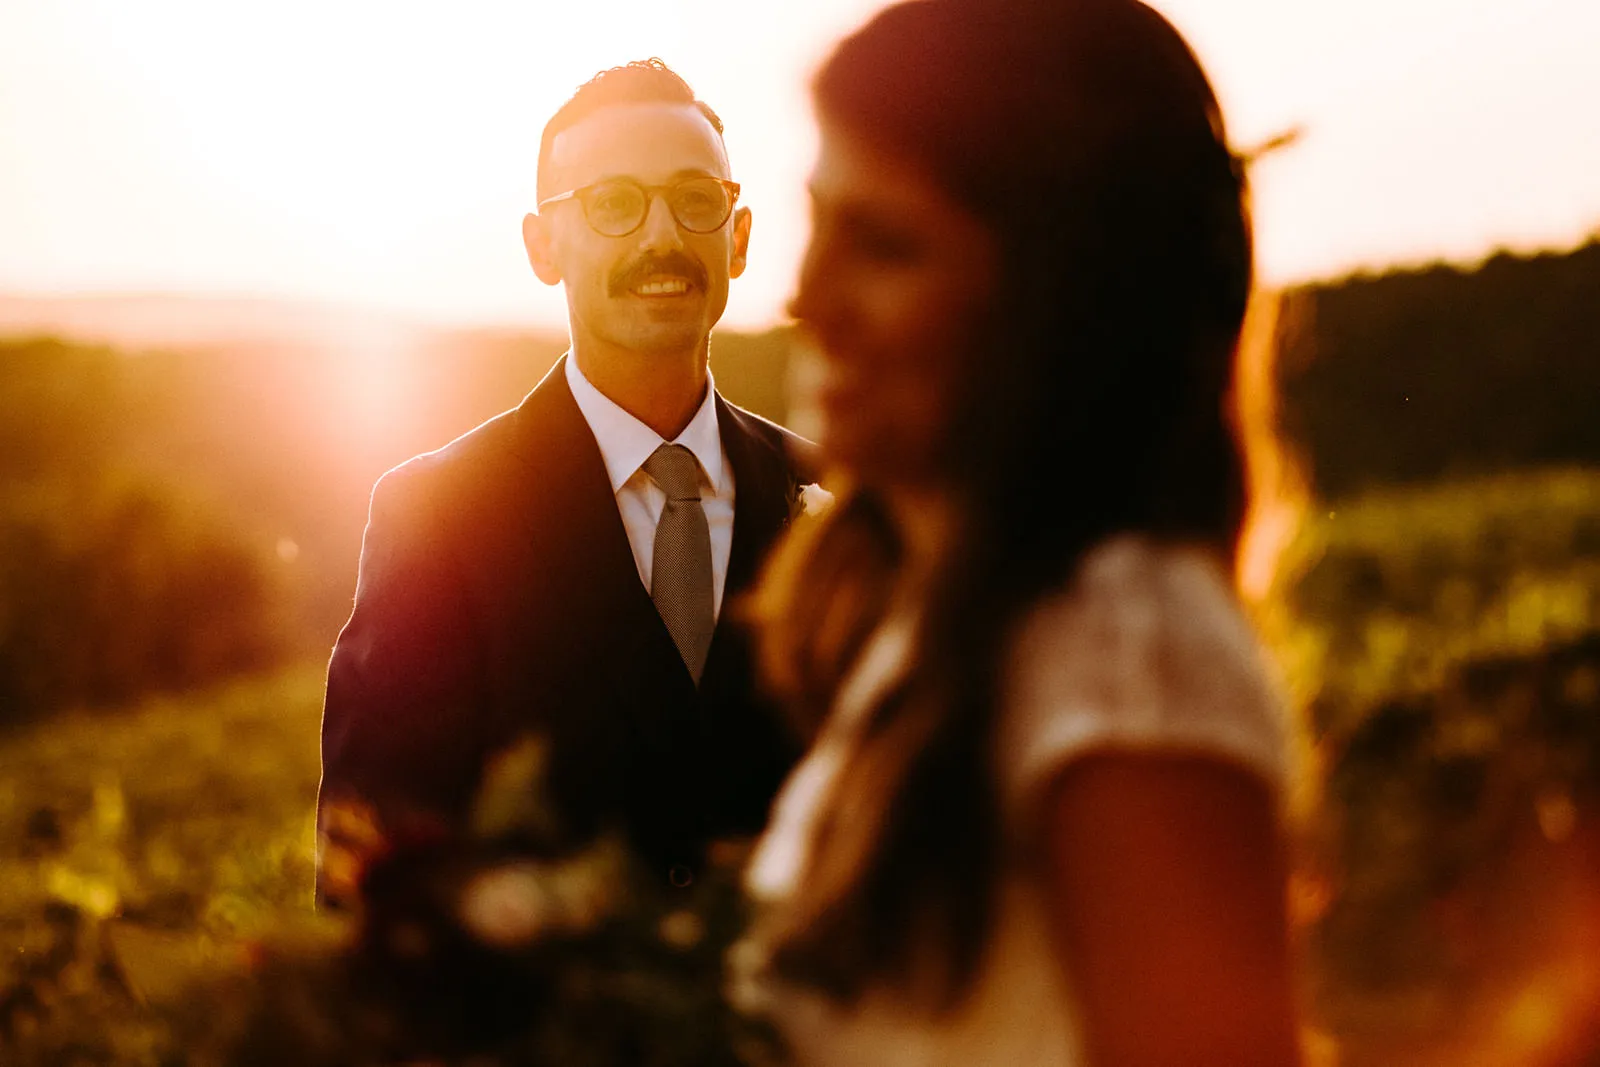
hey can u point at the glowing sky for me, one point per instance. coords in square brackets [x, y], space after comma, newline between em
[383, 153]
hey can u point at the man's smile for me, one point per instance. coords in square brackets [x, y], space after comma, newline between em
[659, 276]
[658, 285]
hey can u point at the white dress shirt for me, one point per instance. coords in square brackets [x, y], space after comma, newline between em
[625, 443]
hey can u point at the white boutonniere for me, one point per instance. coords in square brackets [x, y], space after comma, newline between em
[815, 501]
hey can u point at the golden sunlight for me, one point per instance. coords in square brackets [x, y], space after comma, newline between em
[383, 154]
[254, 256]
[377, 374]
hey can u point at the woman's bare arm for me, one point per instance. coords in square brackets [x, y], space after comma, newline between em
[1166, 877]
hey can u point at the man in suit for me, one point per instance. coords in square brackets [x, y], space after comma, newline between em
[567, 568]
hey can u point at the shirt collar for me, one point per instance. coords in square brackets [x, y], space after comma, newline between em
[625, 442]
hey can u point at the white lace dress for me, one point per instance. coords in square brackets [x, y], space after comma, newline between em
[1146, 650]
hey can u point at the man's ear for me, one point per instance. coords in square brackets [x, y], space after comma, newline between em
[536, 239]
[741, 242]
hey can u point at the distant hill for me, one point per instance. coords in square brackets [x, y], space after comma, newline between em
[1406, 377]
[281, 415]
[138, 322]
[751, 368]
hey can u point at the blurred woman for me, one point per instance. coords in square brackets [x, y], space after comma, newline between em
[1040, 822]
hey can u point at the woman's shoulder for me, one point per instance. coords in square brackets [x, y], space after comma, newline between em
[1145, 647]
[1132, 598]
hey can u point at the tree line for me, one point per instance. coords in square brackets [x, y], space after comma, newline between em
[168, 517]
[1446, 371]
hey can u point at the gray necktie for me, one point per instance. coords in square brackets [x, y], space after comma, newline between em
[680, 575]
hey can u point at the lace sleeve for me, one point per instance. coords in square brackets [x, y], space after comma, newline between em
[1146, 650]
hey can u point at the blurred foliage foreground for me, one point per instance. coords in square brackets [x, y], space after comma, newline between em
[1442, 643]
[157, 891]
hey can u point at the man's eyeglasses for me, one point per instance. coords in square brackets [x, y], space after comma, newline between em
[619, 206]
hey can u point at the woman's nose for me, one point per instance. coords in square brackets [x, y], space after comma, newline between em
[811, 298]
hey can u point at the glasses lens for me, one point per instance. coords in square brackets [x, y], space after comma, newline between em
[700, 204]
[615, 208]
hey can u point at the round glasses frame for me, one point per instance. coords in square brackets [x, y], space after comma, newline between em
[585, 195]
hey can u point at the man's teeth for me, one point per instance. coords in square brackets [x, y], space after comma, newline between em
[663, 288]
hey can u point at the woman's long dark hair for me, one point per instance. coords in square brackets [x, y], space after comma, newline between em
[1085, 134]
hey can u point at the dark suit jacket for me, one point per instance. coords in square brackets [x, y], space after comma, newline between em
[498, 596]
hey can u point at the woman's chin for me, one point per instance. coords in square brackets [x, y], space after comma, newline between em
[866, 466]
[843, 442]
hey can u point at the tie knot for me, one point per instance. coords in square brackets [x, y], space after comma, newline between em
[676, 471]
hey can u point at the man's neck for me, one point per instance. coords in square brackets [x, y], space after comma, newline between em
[662, 390]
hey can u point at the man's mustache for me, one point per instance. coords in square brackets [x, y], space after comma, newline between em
[679, 264]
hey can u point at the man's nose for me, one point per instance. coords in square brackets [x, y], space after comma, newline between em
[660, 231]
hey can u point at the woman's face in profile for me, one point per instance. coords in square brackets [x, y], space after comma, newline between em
[896, 284]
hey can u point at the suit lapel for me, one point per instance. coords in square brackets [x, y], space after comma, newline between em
[747, 748]
[594, 665]
[611, 633]
[589, 601]
[762, 487]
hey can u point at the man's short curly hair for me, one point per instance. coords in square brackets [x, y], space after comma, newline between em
[643, 81]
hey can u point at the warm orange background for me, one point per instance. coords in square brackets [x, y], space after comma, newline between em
[383, 153]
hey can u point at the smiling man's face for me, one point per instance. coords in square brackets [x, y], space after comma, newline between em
[659, 289]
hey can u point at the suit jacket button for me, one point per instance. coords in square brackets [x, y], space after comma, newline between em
[680, 875]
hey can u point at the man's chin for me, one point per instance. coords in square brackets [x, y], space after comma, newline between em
[650, 327]
[665, 338]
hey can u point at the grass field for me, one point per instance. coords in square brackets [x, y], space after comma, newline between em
[141, 850]
[1441, 645]
[1390, 591]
